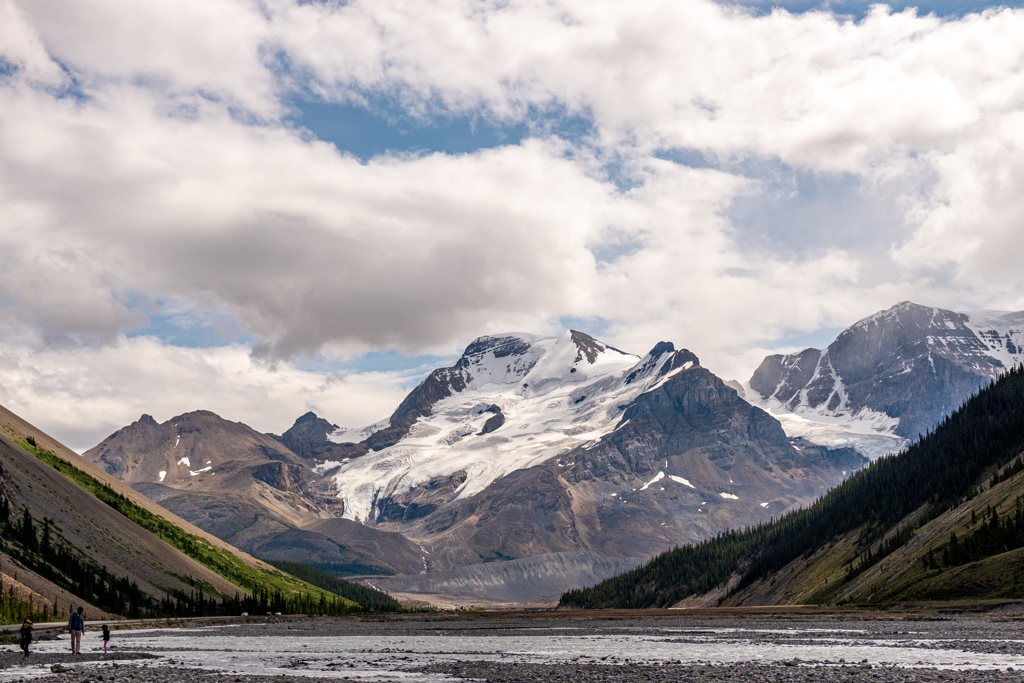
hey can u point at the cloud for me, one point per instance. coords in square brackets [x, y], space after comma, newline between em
[82, 395]
[146, 156]
[313, 249]
[305, 245]
[811, 89]
[970, 221]
[214, 49]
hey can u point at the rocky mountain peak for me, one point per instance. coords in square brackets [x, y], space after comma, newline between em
[899, 371]
[195, 415]
[587, 347]
[661, 348]
[308, 437]
[188, 449]
[148, 420]
[653, 360]
[500, 346]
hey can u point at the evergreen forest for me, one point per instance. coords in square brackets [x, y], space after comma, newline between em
[934, 474]
[39, 546]
[371, 598]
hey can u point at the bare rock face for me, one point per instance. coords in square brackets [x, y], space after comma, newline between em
[250, 490]
[910, 363]
[657, 451]
[533, 579]
[307, 438]
[186, 451]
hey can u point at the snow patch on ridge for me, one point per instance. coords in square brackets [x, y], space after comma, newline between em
[555, 393]
[658, 477]
[355, 435]
[1002, 332]
[680, 480]
[868, 431]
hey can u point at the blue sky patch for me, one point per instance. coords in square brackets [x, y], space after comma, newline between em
[858, 9]
[366, 132]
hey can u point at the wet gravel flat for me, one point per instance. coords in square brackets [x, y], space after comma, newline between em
[699, 673]
[552, 647]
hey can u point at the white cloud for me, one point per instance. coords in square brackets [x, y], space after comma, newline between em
[143, 157]
[927, 105]
[972, 220]
[82, 395]
[305, 245]
[811, 89]
[214, 48]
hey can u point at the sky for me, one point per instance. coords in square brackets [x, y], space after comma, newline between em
[265, 207]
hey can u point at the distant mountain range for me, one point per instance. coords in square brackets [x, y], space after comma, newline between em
[566, 450]
[897, 372]
[527, 446]
[531, 445]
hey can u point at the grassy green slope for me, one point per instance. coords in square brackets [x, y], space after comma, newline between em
[851, 544]
[914, 571]
[247, 577]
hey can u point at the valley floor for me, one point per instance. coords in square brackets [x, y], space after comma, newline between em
[602, 647]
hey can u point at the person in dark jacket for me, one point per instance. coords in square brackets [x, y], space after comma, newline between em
[76, 624]
[106, 637]
[26, 636]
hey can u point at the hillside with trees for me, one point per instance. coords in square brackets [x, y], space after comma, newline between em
[72, 535]
[940, 520]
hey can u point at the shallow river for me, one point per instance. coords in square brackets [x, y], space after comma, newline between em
[371, 651]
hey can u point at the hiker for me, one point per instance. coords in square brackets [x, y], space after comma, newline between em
[106, 637]
[76, 624]
[26, 635]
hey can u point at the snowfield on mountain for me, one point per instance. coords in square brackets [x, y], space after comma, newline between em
[513, 402]
[551, 394]
[889, 377]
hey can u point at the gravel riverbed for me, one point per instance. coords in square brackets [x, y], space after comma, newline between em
[553, 648]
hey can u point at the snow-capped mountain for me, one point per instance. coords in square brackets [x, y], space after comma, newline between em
[888, 377]
[510, 402]
[530, 445]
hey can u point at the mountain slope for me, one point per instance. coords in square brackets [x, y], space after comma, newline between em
[531, 445]
[113, 541]
[899, 371]
[187, 450]
[229, 477]
[532, 579]
[251, 491]
[13, 427]
[853, 543]
[115, 532]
